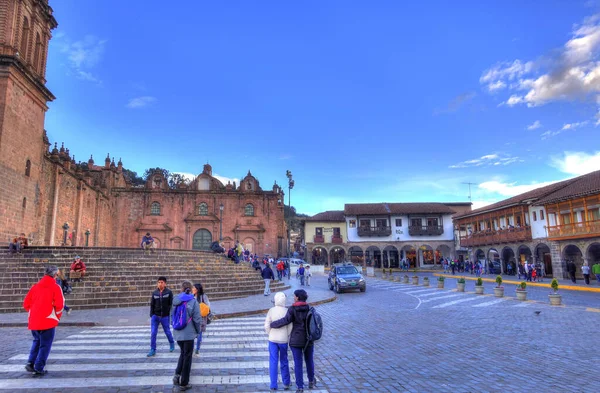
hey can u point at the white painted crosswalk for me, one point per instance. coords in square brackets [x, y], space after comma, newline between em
[443, 298]
[233, 353]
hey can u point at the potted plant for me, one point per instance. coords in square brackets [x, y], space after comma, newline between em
[499, 289]
[460, 285]
[441, 282]
[405, 279]
[521, 292]
[396, 278]
[425, 281]
[555, 297]
[479, 286]
[415, 280]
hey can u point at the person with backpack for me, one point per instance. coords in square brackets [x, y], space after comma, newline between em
[160, 309]
[267, 275]
[187, 324]
[300, 344]
[201, 297]
[278, 343]
[66, 288]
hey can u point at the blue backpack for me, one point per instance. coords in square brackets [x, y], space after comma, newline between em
[180, 318]
[314, 326]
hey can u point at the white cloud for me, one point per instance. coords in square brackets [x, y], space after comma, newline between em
[487, 160]
[497, 85]
[565, 127]
[577, 163]
[140, 102]
[82, 55]
[478, 204]
[509, 189]
[536, 124]
[570, 73]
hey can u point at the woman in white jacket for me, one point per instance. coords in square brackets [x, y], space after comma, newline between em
[278, 343]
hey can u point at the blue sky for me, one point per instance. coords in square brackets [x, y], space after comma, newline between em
[362, 101]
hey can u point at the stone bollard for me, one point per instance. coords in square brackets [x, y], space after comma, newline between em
[426, 281]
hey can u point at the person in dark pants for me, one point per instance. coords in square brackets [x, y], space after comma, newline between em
[296, 315]
[44, 303]
[571, 270]
[160, 309]
[185, 337]
[585, 269]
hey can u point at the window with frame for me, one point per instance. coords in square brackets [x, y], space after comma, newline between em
[27, 168]
[415, 222]
[319, 231]
[336, 232]
[203, 209]
[352, 223]
[249, 210]
[433, 222]
[365, 223]
[534, 215]
[541, 214]
[398, 222]
[155, 209]
[381, 222]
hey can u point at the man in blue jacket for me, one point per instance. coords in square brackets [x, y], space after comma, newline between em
[160, 310]
[267, 275]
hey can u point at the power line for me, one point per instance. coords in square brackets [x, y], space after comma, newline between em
[470, 200]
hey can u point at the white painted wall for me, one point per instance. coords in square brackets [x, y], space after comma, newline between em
[538, 230]
[400, 233]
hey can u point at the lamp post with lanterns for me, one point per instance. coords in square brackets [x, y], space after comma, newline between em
[288, 174]
[221, 207]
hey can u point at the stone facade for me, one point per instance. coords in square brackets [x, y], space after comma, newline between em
[54, 200]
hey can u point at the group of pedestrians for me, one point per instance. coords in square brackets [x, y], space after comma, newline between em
[531, 272]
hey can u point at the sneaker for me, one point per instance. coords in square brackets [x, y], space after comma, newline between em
[286, 387]
[197, 352]
[176, 379]
[171, 347]
[37, 373]
[69, 311]
[151, 353]
[29, 367]
[184, 388]
[299, 390]
[312, 384]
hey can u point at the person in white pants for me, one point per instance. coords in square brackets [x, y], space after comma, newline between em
[307, 275]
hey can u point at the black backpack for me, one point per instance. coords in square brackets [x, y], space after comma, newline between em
[314, 326]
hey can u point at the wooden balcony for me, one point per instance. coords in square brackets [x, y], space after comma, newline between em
[496, 237]
[337, 240]
[374, 231]
[430, 230]
[319, 239]
[575, 230]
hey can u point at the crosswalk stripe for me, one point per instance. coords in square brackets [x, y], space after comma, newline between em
[491, 302]
[422, 290]
[448, 304]
[130, 340]
[63, 383]
[433, 299]
[142, 355]
[246, 333]
[434, 293]
[147, 329]
[73, 346]
[523, 304]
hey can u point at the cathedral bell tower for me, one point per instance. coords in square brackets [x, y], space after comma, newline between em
[25, 31]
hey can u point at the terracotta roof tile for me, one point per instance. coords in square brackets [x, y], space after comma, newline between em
[328, 216]
[354, 209]
[580, 186]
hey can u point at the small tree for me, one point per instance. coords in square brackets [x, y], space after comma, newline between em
[441, 278]
[554, 285]
[461, 280]
[499, 280]
[522, 286]
[479, 282]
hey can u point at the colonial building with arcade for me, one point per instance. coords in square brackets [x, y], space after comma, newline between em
[382, 234]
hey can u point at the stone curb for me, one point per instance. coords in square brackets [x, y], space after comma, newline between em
[219, 316]
[532, 284]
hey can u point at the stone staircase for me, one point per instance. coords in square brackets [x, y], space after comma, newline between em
[125, 277]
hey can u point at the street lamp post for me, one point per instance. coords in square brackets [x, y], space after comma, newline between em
[221, 207]
[288, 174]
[65, 228]
[87, 237]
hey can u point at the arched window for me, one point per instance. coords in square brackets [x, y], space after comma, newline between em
[249, 211]
[203, 209]
[27, 168]
[36, 52]
[155, 209]
[24, 39]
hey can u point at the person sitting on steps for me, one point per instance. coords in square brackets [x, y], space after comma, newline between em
[148, 243]
[77, 267]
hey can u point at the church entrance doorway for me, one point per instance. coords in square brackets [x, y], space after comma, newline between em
[202, 240]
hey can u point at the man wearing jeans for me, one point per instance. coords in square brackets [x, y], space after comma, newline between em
[267, 275]
[45, 303]
[160, 310]
[596, 271]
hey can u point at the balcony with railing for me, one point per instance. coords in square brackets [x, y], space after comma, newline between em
[427, 230]
[575, 230]
[319, 239]
[337, 239]
[484, 238]
[374, 231]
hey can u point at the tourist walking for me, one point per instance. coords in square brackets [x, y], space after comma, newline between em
[201, 297]
[66, 289]
[278, 343]
[160, 310]
[44, 303]
[299, 344]
[571, 269]
[585, 269]
[307, 275]
[301, 274]
[267, 275]
[189, 328]
[596, 271]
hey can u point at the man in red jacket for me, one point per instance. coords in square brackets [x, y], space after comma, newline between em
[45, 303]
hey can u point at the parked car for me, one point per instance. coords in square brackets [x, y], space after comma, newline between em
[345, 276]
[494, 267]
[296, 261]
